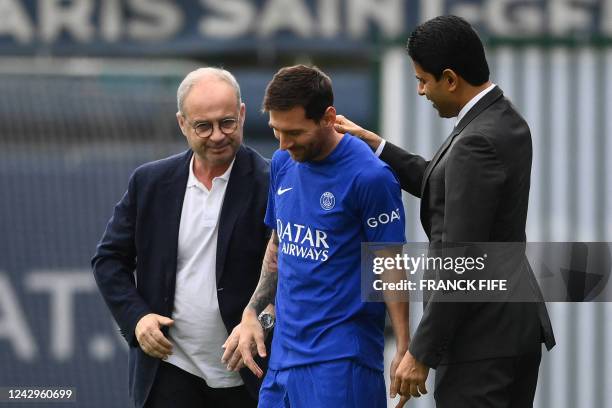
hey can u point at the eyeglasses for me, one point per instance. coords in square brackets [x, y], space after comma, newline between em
[204, 129]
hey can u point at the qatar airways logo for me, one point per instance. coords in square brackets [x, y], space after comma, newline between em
[384, 218]
[302, 241]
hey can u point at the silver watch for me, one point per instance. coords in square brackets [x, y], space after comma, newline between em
[266, 320]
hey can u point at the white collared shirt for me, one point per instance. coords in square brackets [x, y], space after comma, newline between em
[466, 108]
[198, 331]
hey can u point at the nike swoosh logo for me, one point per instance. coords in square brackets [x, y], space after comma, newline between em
[282, 191]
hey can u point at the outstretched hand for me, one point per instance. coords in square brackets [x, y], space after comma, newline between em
[246, 340]
[231, 355]
[344, 125]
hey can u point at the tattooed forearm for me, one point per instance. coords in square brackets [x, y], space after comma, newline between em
[266, 288]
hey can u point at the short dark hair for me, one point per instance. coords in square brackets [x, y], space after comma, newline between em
[300, 85]
[449, 42]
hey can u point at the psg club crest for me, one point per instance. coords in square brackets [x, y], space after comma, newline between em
[327, 201]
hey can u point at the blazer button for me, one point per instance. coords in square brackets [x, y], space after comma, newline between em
[166, 299]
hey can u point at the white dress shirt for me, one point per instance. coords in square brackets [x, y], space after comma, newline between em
[198, 331]
[466, 108]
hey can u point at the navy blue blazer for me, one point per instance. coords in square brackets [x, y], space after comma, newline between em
[142, 236]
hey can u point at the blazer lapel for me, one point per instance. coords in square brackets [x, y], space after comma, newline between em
[476, 110]
[237, 196]
[173, 190]
[436, 158]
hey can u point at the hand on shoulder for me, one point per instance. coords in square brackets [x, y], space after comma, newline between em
[344, 125]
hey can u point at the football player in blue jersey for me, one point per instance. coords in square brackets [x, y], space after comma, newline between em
[327, 349]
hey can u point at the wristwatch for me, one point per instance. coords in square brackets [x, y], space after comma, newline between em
[266, 320]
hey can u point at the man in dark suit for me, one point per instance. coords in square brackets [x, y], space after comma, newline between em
[191, 226]
[475, 189]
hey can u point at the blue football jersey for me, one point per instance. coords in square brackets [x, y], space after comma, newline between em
[322, 211]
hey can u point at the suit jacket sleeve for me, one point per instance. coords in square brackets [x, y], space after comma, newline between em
[114, 264]
[474, 177]
[408, 167]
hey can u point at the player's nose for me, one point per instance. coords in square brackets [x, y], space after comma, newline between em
[285, 143]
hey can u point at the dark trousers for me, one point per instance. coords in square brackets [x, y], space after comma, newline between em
[176, 388]
[496, 383]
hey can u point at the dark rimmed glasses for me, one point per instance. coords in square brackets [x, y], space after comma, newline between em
[204, 129]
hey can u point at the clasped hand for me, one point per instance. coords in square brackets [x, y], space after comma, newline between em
[150, 337]
[408, 377]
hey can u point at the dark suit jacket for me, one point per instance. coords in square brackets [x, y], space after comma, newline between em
[142, 235]
[475, 189]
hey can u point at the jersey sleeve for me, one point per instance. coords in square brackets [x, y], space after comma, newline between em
[380, 206]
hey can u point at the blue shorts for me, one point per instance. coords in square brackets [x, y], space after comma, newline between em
[338, 383]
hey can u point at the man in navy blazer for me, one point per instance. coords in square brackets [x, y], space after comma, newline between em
[191, 228]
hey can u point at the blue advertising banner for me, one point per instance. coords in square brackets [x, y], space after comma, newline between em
[55, 330]
[205, 27]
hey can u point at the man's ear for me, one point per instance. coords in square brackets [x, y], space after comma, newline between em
[451, 79]
[181, 122]
[329, 117]
[242, 113]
